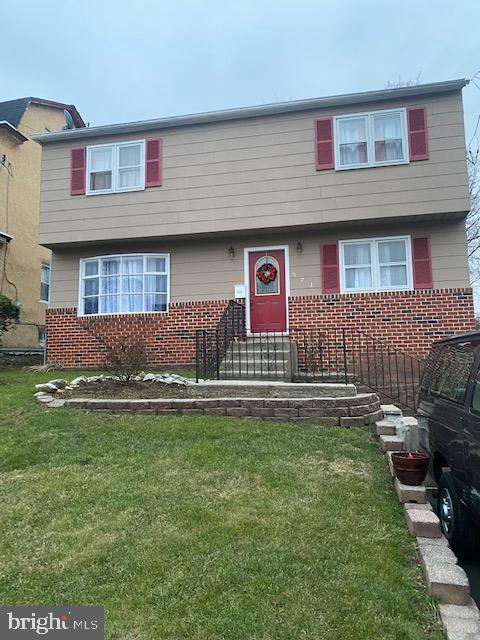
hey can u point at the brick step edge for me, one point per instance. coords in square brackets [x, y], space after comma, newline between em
[446, 581]
[359, 410]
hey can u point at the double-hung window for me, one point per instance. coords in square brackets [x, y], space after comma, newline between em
[132, 283]
[378, 264]
[116, 167]
[45, 283]
[371, 139]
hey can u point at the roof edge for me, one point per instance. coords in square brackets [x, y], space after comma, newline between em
[4, 124]
[252, 112]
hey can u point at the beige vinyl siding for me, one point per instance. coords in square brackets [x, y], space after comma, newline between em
[203, 270]
[258, 174]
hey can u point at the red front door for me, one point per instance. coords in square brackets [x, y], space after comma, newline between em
[268, 301]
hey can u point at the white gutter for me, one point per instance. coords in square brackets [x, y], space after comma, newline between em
[252, 112]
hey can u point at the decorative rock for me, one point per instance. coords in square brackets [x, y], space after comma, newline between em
[47, 386]
[39, 394]
[79, 382]
[45, 399]
[59, 383]
[149, 377]
[94, 379]
[55, 404]
[408, 493]
[422, 522]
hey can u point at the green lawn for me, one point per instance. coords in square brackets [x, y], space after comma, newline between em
[204, 528]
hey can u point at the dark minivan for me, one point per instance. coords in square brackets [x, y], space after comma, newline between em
[450, 402]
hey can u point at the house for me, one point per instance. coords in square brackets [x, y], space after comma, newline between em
[339, 211]
[24, 264]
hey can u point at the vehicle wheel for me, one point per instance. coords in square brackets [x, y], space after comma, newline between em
[455, 522]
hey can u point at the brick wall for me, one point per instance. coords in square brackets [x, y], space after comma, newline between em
[81, 342]
[410, 320]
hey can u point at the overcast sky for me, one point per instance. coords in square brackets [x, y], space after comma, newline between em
[121, 61]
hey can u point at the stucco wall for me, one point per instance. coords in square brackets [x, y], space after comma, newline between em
[19, 216]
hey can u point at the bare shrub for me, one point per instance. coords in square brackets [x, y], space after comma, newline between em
[126, 360]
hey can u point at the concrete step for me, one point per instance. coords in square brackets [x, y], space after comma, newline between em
[256, 350]
[385, 428]
[391, 443]
[257, 357]
[461, 622]
[422, 522]
[242, 372]
[408, 493]
[447, 582]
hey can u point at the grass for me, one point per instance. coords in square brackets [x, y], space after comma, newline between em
[204, 528]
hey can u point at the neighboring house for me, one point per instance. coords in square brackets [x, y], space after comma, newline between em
[357, 201]
[24, 264]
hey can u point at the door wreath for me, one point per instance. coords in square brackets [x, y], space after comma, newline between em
[267, 273]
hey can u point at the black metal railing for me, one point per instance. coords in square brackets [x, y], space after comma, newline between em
[392, 373]
[340, 355]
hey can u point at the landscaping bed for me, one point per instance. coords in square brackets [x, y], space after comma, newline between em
[152, 390]
[204, 528]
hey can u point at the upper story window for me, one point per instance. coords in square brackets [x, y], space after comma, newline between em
[371, 139]
[116, 167]
[378, 264]
[131, 283]
[45, 283]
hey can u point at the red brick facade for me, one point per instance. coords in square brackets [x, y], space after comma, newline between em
[409, 320]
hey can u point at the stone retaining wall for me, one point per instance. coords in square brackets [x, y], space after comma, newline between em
[359, 410]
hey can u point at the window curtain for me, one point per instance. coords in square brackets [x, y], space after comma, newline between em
[110, 286]
[388, 137]
[101, 169]
[358, 269]
[129, 163]
[132, 284]
[352, 141]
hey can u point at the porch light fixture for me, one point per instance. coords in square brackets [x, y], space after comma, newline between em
[299, 247]
[231, 252]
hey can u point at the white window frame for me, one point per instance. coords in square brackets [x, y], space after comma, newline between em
[376, 265]
[49, 267]
[369, 117]
[81, 278]
[115, 167]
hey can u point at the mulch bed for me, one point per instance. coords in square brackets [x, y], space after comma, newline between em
[151, 390]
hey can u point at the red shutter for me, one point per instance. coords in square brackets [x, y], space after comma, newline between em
[78, 171]
[324, 155]
[417, 133]
[422, 263]
[329, 263]
[153, 163]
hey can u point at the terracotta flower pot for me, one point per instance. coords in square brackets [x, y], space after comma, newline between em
[410, 468]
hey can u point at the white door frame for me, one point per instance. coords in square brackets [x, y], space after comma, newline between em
[246, 252]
